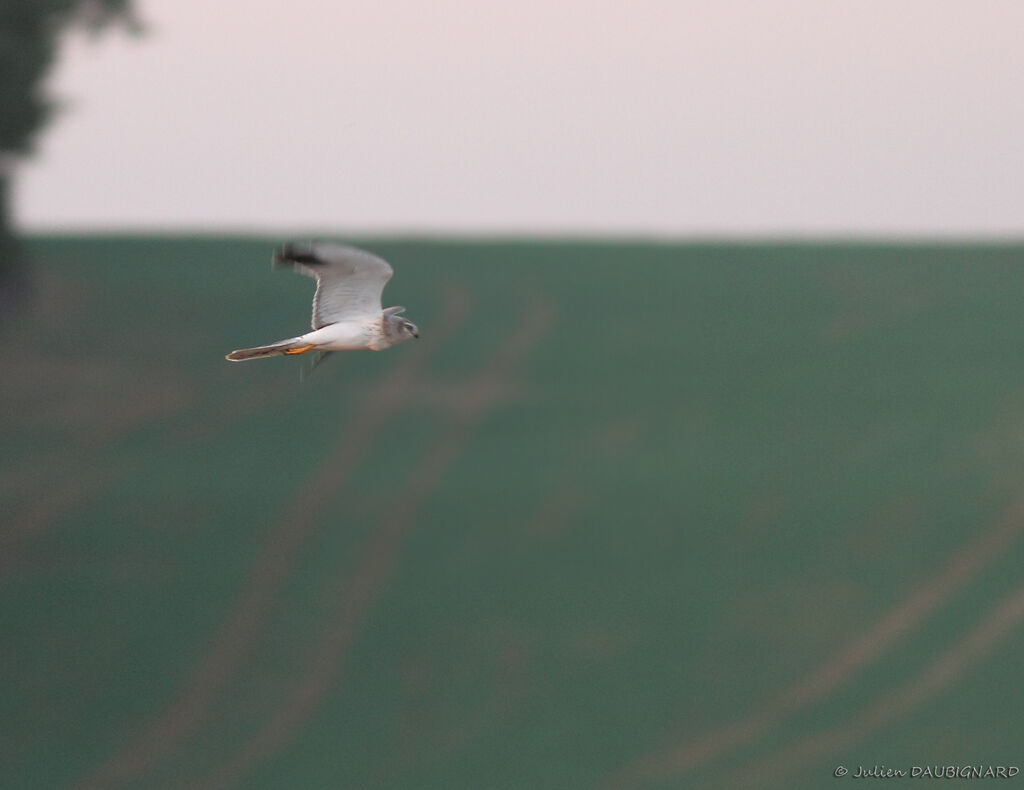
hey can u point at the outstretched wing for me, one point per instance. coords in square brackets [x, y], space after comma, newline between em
[349, 281]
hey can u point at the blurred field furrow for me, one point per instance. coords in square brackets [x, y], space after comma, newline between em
[628, 515]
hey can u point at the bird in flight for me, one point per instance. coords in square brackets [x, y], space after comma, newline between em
[347, 313]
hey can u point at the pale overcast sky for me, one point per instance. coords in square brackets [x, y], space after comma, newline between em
[675, 117]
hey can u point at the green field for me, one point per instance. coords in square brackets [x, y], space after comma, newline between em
[627, 516]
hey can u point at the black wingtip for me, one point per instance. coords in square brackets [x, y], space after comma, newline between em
[290, 254]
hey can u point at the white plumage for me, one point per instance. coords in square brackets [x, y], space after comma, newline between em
[347, 313]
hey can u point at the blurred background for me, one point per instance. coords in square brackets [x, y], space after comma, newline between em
[706, 472]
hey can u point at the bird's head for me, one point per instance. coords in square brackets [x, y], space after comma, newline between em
[398, 328]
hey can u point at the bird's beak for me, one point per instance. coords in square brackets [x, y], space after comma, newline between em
[415, 335]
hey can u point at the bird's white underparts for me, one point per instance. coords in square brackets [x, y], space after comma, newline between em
[347, 312]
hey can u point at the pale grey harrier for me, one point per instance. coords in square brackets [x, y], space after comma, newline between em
[347, 314]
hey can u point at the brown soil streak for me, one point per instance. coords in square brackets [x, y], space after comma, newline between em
[45, 511]
[964, 566]
[939, 675]
[359, 592]
[286, 537]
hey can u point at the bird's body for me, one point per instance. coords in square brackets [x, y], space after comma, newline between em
[347, 314]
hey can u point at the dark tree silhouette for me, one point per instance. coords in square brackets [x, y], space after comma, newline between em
[29, 36]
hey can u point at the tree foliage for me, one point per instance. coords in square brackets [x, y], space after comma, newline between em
[30, 33]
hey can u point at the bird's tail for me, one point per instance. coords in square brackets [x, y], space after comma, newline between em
[288, 347]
